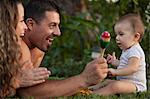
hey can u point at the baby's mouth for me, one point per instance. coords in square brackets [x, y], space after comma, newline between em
[119, 44]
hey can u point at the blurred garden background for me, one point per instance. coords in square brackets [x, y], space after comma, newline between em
[82, 21]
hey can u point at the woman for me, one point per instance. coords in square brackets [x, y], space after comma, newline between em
[16, 69]
[12, 26]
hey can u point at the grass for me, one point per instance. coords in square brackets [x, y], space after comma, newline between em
[141, 95]
[144, 95]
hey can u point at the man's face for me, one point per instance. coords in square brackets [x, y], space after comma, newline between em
[44, 32]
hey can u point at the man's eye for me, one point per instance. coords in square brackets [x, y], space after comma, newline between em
[51, 26]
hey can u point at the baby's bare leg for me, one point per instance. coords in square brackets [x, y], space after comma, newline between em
[101, 84]
[117, 87]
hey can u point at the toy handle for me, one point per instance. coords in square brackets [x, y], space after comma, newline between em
[102, 51]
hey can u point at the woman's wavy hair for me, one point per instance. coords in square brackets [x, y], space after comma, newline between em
[9, 47]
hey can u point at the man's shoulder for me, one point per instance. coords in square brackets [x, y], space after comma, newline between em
[36, 56]
[37, 52]
[24, 45]
[26, 55]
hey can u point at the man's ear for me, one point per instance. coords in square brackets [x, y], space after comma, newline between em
[137, 36]
[29, 23]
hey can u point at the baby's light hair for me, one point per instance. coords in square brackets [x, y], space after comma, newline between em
[135, 22]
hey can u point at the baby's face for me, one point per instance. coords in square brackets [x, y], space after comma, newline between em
[125, 36]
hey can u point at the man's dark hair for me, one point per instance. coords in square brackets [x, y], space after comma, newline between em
[36, 9]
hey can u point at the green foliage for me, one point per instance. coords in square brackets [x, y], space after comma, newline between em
[68, 67]
[67, 55]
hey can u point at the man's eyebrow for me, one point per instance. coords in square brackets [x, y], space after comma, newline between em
[52, 23]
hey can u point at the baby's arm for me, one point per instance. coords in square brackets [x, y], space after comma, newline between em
[111, 59]
[131, 68]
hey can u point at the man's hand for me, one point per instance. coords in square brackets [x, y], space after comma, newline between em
[29, 76]
[95, 71]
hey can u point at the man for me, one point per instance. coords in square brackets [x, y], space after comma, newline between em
[43, 19]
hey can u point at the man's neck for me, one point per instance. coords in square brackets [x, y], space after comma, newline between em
[27, 41]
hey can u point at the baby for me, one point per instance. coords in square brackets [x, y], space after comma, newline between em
[130, 72]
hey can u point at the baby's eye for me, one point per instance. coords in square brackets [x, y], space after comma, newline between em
[120, 33]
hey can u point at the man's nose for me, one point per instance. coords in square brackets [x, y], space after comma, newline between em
[57, 31]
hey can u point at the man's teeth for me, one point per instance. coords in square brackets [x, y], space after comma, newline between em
[50, 39]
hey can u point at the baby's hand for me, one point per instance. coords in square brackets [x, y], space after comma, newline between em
[111, 58]
[111, 72]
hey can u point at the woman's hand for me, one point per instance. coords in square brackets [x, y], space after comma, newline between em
[29, 76]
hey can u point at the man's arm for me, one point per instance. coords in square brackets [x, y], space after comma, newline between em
[93, 73]
[54, 88]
